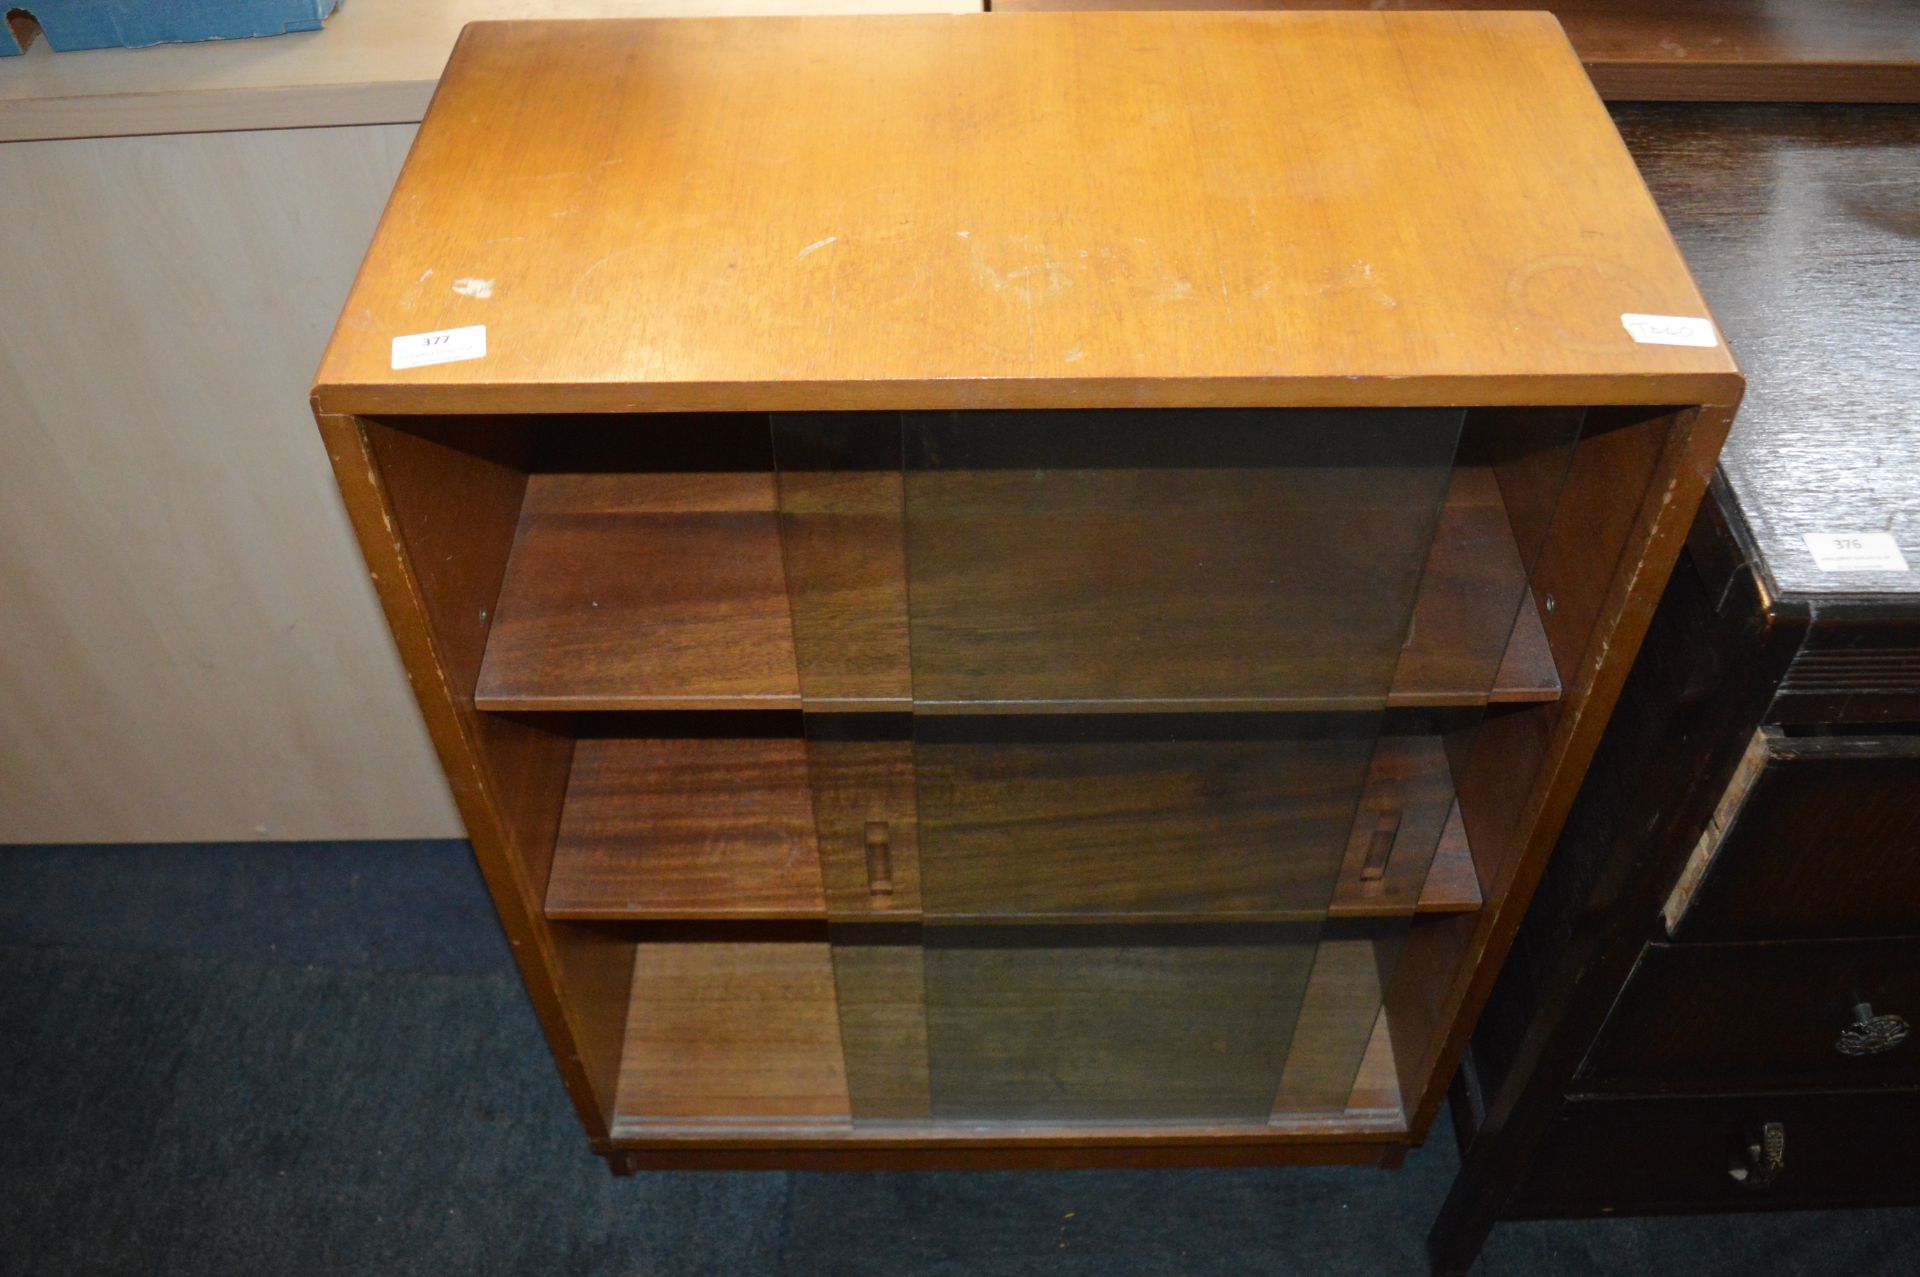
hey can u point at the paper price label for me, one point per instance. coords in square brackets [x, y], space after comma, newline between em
[1855, 551]
[448, 346]
[1670, 330]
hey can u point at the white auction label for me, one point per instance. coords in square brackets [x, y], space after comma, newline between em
[1855, 551]
[1670, 330]
[448, 346]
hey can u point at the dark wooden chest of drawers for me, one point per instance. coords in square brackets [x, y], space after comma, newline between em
[1708, 1005]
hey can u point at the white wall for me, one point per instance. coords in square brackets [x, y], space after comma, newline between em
[189, 647]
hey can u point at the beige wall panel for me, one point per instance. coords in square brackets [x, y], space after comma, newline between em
[189, 647]
[375, 63]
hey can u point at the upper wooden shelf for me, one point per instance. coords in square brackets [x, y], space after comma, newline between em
[643, 591]
[667, 592]
[832, 213]
[1696, 50]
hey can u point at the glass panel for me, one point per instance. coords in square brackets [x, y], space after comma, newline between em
[1119, 1024]
[1176, 817]
[1476, 648]
[1339, 1014]
[1157, 560]
[841, 536]
[1078, 565]
[1150, 655]
[1189, 695]
[879, 977]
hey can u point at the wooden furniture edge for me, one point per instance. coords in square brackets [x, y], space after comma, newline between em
[1463, 390]
[1624, 80]
[625, 1157]
[1659, 72]
[517, 901]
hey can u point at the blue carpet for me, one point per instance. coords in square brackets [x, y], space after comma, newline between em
[316, 1058]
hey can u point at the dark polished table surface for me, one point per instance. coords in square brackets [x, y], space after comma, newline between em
[1802, 225]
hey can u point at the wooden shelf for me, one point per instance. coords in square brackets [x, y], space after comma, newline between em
[667, 591]
[729, 1041]
[1703, 50]
[687, 829]
[701, 829]
[730, 1035]
[639, 592]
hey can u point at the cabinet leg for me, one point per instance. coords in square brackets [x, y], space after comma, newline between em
[621, 1164]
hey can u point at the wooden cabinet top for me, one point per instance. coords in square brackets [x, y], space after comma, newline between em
[1020, 210]
[1804, 225]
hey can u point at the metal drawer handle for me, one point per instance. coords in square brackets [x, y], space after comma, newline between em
[1762, 1157]
[1870, 1034]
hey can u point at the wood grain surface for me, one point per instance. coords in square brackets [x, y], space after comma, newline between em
[725, 1034]
[727, 828]
[1755, 1017]
[436, 524]
[842, 535]
[1708, 50]
[1171, 828]
[1231, 209]
[1820, 844]
[1453, 884]
[1403, 817]
[687, 828]
[1803, 226]
[1122, 589]
[858, 785]
[643, 591]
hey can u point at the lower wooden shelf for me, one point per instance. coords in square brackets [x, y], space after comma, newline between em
[739, 1043]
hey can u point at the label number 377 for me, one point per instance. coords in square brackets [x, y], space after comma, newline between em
[447, 346]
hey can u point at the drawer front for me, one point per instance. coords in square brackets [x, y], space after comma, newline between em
[1651, 1155]
[1817, 837]
[1762, 1017]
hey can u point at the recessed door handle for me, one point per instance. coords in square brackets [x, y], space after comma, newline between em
[879, 859]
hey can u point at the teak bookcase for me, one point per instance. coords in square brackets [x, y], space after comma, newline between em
[1024, 589]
